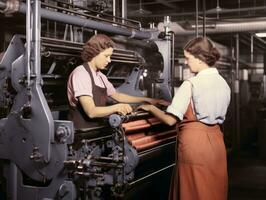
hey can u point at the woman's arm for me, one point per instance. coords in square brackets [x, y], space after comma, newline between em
[93, 111]
[166, 118]
[125, 98]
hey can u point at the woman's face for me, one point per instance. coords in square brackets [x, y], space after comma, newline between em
[191, 61]
[103, 58]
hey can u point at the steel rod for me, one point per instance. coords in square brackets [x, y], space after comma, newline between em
[151, 174]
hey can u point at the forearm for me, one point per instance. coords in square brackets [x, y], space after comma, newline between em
[166, 118]
[93, 111]
[100, 111]
[125, 98]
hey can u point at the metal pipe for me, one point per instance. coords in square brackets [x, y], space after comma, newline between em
[204, 18]
[264, 77]
[45, 39]
[236, 91]
[223, 11]
[96, 12]
[54, 53]
[252, 48]
[60, 46]
[36, 34]
[239, 7]
[142, 155]
[264, 69]
[125, 50]
[28, 41]
[197, 18]
[124, 55]
[172, 63]
[152, 174]
[235, 27]
[86, 23]
[125, 61]
[237, 58]
[124, 10]
[151, 144]
[114, 10]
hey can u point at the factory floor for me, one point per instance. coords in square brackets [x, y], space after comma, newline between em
[247, 175]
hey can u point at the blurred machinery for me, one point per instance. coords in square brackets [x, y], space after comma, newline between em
[42, 155]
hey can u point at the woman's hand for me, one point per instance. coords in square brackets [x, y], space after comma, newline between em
[146, 107]
[158, 102]
[166, 118]
[123, 108]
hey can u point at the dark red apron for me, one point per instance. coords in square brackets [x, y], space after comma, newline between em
[201, 167]
[80, 119]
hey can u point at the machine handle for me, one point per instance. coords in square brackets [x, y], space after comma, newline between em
[115, 120]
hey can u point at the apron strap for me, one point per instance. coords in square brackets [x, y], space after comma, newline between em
[192, 101]
[88, 69]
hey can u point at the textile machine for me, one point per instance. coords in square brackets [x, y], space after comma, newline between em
[42, 154]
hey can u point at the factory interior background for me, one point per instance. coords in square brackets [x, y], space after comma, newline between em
[43, 156]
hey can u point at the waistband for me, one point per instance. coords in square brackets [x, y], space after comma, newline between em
[198, 125]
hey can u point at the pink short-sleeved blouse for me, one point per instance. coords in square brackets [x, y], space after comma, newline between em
[79, 84]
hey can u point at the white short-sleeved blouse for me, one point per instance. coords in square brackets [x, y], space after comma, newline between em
[210, 99]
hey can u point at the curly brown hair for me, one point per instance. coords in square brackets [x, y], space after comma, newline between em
[203, 49]
[95, 45]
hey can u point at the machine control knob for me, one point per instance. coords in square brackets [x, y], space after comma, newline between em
[62, 133]
[115, 120]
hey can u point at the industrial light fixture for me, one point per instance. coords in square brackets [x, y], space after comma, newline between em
[262, 34]
[218, 9]
[140, 11]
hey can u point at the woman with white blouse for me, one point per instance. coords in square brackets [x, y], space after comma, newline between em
[198, 108]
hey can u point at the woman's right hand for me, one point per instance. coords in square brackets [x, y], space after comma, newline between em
[146, 107]
[123, 108]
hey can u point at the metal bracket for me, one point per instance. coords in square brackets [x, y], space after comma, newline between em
[64, 131]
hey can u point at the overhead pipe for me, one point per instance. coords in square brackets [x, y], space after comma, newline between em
[219, 27]
[209, 12]
[86, 23]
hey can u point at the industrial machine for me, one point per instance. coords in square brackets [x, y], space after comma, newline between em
[42, 154]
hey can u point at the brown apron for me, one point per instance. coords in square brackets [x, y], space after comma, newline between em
[80, 119]
[201, 166]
